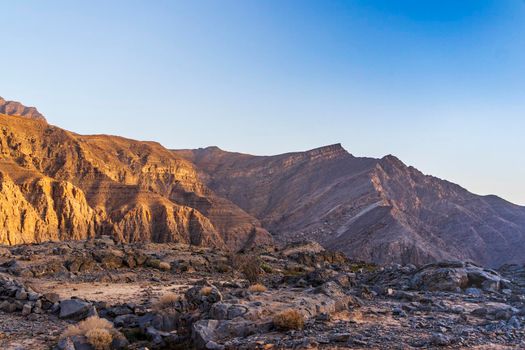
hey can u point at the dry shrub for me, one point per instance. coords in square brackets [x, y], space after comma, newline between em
[206, 291]
[167, 301]
[164, 266]
[99, 338]
[90, 323]
[248, 265]
[289, 319]
[257, 288]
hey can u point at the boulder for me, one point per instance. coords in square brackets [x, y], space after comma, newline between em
[203, 296]
[450, 277]
[8, 306]
[110, 258]
[76, 309]
[204, 331]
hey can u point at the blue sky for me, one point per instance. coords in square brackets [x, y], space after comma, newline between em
[440, 84]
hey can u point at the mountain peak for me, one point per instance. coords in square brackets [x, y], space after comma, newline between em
[335, 149]
[19, 110]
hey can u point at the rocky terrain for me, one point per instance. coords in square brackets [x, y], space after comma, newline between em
[376, 210]
[110, 243]
[102, 294]
[57, 185]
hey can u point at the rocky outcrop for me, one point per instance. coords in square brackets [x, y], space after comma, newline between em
[17, 109]
[372, 209]
[57, 185]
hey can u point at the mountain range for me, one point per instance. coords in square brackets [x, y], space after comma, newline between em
[58, 185]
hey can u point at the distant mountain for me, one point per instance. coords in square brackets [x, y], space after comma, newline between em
[57, 185]
[373, 209]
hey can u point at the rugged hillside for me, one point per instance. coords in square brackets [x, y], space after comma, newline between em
[373, 209]
[19, 110]
[57, 185]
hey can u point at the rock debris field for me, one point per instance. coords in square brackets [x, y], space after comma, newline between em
[98, 294]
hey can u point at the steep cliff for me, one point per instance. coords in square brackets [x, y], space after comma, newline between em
[60, 185]
[373, 209]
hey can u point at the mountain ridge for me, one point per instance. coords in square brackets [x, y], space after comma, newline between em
[59, 185]
[373, 209]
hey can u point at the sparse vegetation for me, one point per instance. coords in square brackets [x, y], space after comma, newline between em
[266, 268]
[98, 331]
[257, 288]
[167, 301]
[99, 338]
[248, 265]
[88, 324]
[164, 266]
[289, 319]
[206, 291]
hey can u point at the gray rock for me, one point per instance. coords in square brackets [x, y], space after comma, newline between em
[32, 296]
[473, 292]
[26, 309]
[514, 322]
[81, 343]
[196, 297]
[203, 332]
[8, 306]
[439, 339]
[65, 344]
[211, 345]
[119, 343]
[436, 278]
[340, 337]
[127, 321]
[75, 309]
[21, 295]
[119, 310]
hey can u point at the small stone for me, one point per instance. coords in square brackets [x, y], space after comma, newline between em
[339, 337]
[32, 296]
[26, 309]
[473, 292]
[21, 295]
[65, 344]
[440, 339]
[398, 312]
[52, 297]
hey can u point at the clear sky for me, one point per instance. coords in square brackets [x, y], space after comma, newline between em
[440, 84]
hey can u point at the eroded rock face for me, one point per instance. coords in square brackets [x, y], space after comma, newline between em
[19, 110]
[56, 185]
[376, 210]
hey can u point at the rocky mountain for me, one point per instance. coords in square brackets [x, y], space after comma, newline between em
[57, 185]
[18, 109]
[377, 210]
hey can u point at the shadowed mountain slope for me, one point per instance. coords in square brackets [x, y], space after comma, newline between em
[373, 209]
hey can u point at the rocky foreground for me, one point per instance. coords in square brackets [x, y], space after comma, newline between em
[98, 294]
